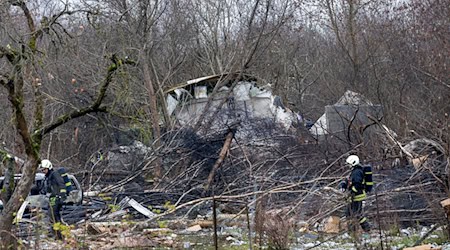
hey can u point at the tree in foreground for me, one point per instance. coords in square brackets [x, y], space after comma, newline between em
[23, 76]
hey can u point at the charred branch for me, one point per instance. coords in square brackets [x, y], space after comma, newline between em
[222, 156]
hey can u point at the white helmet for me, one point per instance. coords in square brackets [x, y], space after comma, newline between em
[352, 160]
[46, 164]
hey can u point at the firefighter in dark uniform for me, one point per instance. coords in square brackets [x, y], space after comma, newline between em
[56, 187]
[355, 185]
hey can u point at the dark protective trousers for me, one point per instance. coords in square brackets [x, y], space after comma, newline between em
[355, 212]
[55, 206]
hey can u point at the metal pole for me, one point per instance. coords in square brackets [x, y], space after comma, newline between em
[216, 246]
[249, 229]
[380, 233]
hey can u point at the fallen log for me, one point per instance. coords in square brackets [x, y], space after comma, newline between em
[222, 154]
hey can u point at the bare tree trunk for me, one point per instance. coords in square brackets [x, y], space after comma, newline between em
[7, 191]
[346, 35]
[31, 144]
[157, 173]
[15, 202]
[351, 23]
[8, 182]
[162, 100]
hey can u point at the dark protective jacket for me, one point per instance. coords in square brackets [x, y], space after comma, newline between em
[55, 184]
[357, 184]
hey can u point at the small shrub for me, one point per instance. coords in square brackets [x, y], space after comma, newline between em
[277, 230]
[114, 208]
[168, 206]
[162, 224]
[271, 227]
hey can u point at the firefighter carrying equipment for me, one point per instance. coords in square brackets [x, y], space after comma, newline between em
[357, 190]
[62, 171]
[367, 180]
[355, 184]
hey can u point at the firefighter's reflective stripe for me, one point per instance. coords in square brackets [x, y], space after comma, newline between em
[361, 221]
[354, 189]
[368, 178]
[360, 197]
[66, 179]
[62, 190]
[368, 183]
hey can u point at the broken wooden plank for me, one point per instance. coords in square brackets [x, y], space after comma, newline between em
[194, 228]
[445, 203]
[422, 247]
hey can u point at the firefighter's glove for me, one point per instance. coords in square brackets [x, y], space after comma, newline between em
[62, 197]
[343, 186]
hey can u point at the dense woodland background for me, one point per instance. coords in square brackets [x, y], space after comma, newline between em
[395, 53]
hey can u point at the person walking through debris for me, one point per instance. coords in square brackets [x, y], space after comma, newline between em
[55, 186]
[355, 184]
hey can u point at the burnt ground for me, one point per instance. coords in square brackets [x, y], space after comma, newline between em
[286, 170]
[284, 180]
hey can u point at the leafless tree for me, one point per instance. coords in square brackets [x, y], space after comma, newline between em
[22, 79]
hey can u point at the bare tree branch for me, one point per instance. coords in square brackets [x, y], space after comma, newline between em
[94, 107]
[431, 76]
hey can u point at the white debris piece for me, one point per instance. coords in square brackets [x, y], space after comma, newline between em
[134, 204]
[21, 211]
